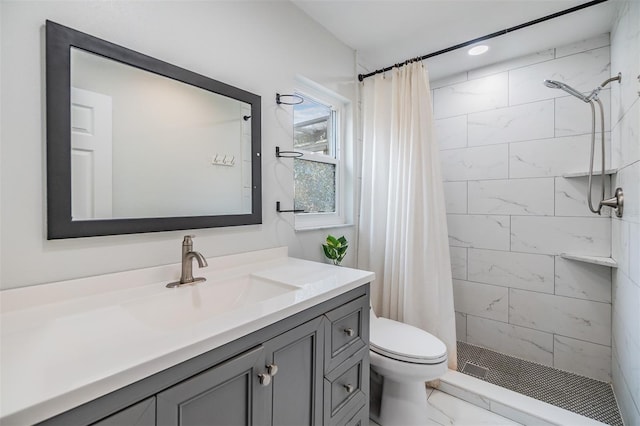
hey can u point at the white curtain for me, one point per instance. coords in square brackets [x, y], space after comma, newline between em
[403, 224]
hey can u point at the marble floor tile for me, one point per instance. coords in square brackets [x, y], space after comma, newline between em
[449, 410]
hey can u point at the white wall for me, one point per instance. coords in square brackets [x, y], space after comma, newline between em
[258, 46]
[505, 142]
[625, 238]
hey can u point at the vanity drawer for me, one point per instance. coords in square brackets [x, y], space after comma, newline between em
[347, 332]
[346, 389]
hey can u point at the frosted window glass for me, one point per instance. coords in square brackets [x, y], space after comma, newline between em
[315, 186]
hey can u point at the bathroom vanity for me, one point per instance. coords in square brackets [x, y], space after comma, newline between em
[267, 339]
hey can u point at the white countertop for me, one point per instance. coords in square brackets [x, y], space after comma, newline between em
[67, 343]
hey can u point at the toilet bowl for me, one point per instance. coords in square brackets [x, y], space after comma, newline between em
[406, 357]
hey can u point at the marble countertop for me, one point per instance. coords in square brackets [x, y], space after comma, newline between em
[67, 343]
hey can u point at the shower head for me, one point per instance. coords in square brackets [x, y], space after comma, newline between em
[552, 84]
[570, 90]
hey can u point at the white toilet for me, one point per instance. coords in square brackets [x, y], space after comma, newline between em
[406, 357]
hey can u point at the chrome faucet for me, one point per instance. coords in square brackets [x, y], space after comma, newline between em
[186, 277]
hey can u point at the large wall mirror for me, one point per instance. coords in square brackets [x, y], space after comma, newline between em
[135, 144]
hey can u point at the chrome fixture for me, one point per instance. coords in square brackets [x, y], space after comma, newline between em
[186, 277]
[552, 84]
[616, 202]
[265, 378]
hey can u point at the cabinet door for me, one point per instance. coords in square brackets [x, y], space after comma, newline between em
[140, 414]
[298, 384]
[227, 394]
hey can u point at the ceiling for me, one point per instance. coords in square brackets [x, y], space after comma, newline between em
[385, 32]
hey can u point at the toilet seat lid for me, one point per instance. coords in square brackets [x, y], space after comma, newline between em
[405, 342]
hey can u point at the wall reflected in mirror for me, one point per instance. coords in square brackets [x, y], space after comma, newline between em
[147, 146]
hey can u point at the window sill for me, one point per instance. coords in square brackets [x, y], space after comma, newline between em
[317, 227]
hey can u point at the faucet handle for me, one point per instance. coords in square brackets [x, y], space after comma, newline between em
[188, 239]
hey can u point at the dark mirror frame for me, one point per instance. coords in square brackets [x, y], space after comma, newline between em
[59, 40]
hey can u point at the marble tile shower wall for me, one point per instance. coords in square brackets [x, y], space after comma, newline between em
[506, 140]
[625, 147]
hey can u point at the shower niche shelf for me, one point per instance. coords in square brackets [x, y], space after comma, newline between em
[582, 174]
[596, 260]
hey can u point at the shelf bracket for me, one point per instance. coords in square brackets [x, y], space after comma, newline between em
[287, 211]
[287, 154]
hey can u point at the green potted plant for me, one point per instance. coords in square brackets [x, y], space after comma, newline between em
[335, 248]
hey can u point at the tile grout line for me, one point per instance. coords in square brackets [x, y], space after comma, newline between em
[550, 334]
[536, 292]
[553, 350]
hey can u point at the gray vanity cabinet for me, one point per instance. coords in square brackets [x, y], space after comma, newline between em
[242, 392]
[311, 368]
[226, 394]
[346, 361]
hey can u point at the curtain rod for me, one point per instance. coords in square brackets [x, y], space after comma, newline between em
[486, 37]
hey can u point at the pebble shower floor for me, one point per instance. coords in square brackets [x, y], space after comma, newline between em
[582, 395]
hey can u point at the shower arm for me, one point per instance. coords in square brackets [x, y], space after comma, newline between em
[617, 78]
[596, 91]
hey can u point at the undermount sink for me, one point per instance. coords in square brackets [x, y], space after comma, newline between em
[191, 304]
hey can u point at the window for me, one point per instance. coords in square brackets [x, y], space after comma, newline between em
[318, 174]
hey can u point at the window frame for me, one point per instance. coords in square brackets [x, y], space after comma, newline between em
[339, 109]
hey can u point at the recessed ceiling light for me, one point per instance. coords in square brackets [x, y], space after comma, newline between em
[478, 50]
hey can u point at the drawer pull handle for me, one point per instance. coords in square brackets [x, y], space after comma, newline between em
[349, 332]
[265, 379]
[272, 369]
[349, 388]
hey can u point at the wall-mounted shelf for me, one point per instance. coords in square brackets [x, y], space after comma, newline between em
[596, 260]
[581, 174]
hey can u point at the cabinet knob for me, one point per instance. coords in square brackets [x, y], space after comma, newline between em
[349, 331]
[349, 388]
[265, 379]
[272, 369]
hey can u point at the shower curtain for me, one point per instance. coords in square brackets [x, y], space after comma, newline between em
[403, 225]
